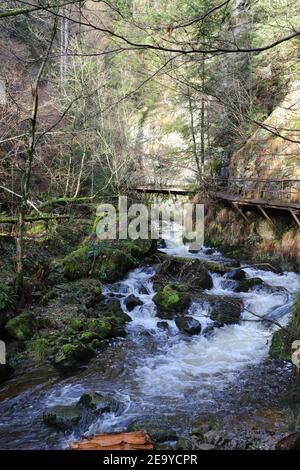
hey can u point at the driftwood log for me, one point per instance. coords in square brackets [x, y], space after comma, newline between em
[115, 441]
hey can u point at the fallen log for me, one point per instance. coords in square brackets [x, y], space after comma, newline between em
[139, 440]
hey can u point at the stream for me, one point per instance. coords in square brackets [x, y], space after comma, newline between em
[175, 379]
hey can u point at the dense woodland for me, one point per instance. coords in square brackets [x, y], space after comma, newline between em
[99, 97]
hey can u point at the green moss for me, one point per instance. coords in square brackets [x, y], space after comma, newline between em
[68, 348]
[78, 263]
[21, 327]
[76, 324]
[281, 345]
[172, 298]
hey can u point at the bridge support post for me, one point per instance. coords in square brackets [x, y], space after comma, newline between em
[241, 212]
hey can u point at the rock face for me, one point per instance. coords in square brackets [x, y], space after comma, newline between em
[171, 300]
[226, 310]
[22, 326]
[131, 302]
[62, 417]
[188, 325]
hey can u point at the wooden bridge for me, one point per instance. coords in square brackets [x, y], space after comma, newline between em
[264, 194]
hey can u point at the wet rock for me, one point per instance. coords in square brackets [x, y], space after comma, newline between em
[158, 432]
[291, 442]
[205, 446]
[193, 273]
[163, 325]
[99, 403]
[247, 284]
[188, 325]
[236, 275]
[5, 372]
[21, 327]
[214, 438]
[172, 299]
[226, 310]
[62, 417]
[132, 301]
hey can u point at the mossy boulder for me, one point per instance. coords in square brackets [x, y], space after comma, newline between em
[22, 327]
[78, 264]
[106, 260]
[71, 355]
[172, 299]
[247, 284]
[188, 325]
[62, 417]
[84, 291]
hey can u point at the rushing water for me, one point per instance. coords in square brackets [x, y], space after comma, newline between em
[159, 374]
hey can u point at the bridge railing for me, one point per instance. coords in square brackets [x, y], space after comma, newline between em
[256, 188]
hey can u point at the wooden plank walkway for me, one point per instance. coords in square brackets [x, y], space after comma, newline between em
[163, 190]
[271, 204]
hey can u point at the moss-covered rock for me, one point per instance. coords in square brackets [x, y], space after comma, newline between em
[62, 417]
[22, 327]
[78, 263]
[71, 355]
[172, 299]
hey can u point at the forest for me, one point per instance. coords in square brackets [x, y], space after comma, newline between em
[118, 331]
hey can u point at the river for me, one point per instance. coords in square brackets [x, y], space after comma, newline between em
[178, 380]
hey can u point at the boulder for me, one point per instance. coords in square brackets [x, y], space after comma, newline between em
[247, 284]
[62, 417]
[98, 403]
[226, 310]
[21, 327]
[163, 325]
[132, 301]
[236, 275]
[188, 325]
[172, 299]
